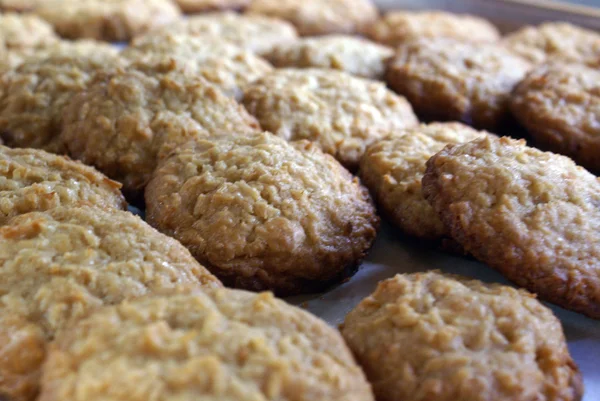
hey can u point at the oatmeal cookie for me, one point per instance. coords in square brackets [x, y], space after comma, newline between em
[110, 20]
[555, 41]
[342, 113]
[18, 5]
[531, 215]
[445, 79]
[559, 104]
[398, 27]
[262, 213]
[18, 31]
[429, 336]
[58, 265]
[351, 54]
[33, 180]
[221, 63]
[392, 169]
[317, 17]
[198, 6]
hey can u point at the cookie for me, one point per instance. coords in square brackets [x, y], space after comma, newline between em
[18, 31]
[32, 97]
[109, 20]
[33, 180]
[262, 213]
[254, 33]
[223, 64]
[199, 6]
[559, 104]
[448, 80]
[125, 118]
[430, 336]
[58, 265]
[392, 169]
[555, 41]
[342, 113]
[399, 27]
[18, 5]
[351, 54]
[533, 216]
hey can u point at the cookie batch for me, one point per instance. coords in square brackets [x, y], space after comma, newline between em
[264, 142]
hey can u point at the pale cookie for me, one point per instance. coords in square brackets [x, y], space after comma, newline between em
[342, 113]
[223, 64]
[429, 336]
[317, 17]
[33, 180]
[58, 265]
[533, 216]
[392, 169]
[262, 213]
[19, 31]
[18, 5]
[199, 6]
[110, 20]
[351, 54]
[555, 41]
[398, 27]
[448, 80]
[560, 107]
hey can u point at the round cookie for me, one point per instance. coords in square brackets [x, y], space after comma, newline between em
[559, 104]
[255, 33]
[126, 118]
[221, 63]
[392, 169]
[220, 344]
[58, 265]
[354, 55]
[342, 113]
[317, 17]
[429, 336]
[262, 213]
[19, 31]
[555, 41]
[109, 20]
[199, 6]
[447, 80]
[399, 27]
[531, 215]
[33, 180]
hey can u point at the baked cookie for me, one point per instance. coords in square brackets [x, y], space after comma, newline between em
[127, 117]
[223, 64]
[18, 5]
[58, 265]
[555, 41]
[445, 79]
[109, 20]
[351, 54]
[392, 169]
[531, 215]
[342, 113]
[255, 33]
[399, 27]
[18, 31]
[262, 213]
[559, 105]
[33, 180]
[199, 6]
[210, 345]
[429, 336]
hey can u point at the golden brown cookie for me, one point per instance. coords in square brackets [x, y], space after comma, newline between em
[392, 169]
[354, 55]
[110, 20]
[262, 213]
[560, 106]
[58, 265]
[448, 80]
[199, 6]
[19, 31]
[429, 336]
[342, 113]
[317, 17]
[398, 27]
[33, 180]
[220, 344]
[221, 63]
[124, 120]
[555, 41]
[531, 215]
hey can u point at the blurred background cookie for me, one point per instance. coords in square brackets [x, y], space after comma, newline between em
[20, 31]
[198, 6]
